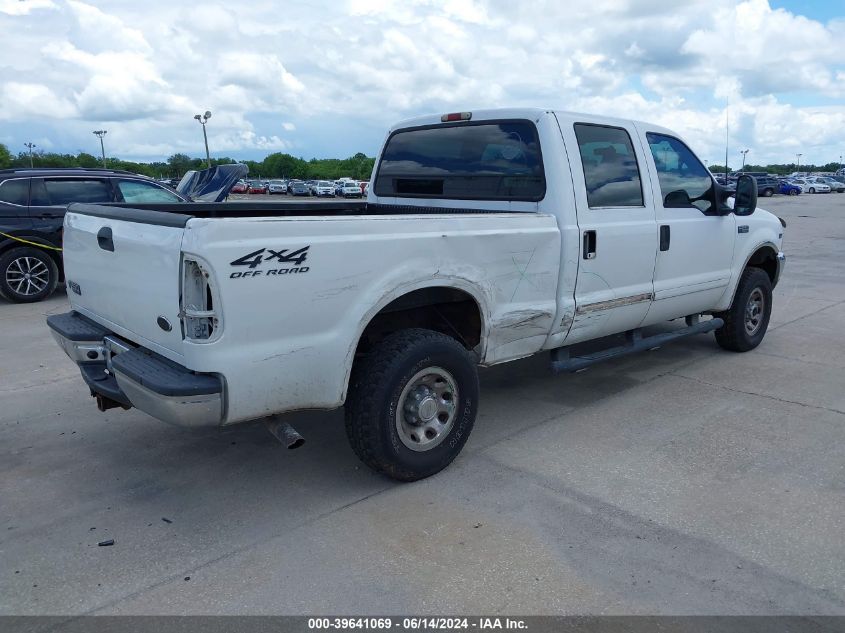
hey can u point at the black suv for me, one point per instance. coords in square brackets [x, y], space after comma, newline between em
[767, 186]
[32, 209]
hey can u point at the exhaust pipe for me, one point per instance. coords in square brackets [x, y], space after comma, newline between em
[285, 433]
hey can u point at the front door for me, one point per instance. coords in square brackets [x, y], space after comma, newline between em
[694, 260]
[618, 236]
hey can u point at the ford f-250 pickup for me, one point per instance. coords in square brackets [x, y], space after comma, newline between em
[486, 236]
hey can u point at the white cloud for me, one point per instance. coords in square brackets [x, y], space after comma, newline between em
[315, 75]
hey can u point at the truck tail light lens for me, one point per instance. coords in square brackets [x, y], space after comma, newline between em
[199, 313]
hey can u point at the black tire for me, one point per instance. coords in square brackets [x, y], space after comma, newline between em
[377, 384]
[812, 190]
[736, 334]
[793, 192]
[768, 193]
[16, 263]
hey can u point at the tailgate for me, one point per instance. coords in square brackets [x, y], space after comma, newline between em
[122, 268]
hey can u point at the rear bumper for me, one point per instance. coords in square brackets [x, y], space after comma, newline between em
[133, 376]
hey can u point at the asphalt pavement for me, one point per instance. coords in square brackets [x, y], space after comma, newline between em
[686, 480]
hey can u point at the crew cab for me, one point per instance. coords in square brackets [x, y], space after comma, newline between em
[486, 237]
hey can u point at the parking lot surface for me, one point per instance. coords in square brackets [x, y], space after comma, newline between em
[686, 480]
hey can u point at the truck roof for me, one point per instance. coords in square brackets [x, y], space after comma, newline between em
[522, 113]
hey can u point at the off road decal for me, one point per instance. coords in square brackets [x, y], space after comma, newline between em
[254, 259]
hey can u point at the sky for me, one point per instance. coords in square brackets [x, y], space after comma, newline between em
[326, 78]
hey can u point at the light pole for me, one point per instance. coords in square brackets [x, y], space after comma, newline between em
[203, 119]
[744, 152]
[798, 169]
[101, 134]
[30, 146]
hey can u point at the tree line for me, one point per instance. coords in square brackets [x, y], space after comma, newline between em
[780, 169]
[276, 165]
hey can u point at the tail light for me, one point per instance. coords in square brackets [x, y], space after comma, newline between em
[201, 319]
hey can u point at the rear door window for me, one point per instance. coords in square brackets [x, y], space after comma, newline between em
[491, 160]
[65, 191]
[611, 173]
[138, 191]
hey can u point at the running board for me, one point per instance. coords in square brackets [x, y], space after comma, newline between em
[561, 361]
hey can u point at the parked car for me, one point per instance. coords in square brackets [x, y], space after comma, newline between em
[324, 188]
[813, 185]
[788, 189]
[277, 186]
[240, 187]
[33, 204]
[392, 317]
[256, 186]
[300, 189]
[350, 190]
[766, 186]
[835, 185]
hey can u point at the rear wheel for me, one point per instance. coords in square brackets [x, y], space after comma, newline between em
[812, 190]
[747, 320]
[793, 192]
[768, 193]
[27, 275]
[412, 403]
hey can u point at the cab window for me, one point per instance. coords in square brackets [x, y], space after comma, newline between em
[139, 191]
[15, 191]
[684, 181]
[611, 173]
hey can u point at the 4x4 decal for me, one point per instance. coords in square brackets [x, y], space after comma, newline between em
[282, 256]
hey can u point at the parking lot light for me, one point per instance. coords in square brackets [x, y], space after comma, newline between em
[798, 168]
[30, 146]
[203, 119]
[744, 152]
[101, 134]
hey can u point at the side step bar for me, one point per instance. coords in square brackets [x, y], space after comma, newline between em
[561, 360]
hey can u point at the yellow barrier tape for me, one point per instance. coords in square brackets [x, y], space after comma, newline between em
[20, 239]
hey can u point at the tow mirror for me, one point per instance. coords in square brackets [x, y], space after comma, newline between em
[745, 200]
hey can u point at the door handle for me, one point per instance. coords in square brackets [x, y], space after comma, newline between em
[665, 237]
[104, 239]
[589, 244]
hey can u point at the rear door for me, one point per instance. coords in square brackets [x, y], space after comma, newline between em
[616, 220]
[123, 270]
[51, 195]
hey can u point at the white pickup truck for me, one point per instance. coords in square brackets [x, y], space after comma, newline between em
[486, 236]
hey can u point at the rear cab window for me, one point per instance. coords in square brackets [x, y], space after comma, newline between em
[611, 172]
[484, 160]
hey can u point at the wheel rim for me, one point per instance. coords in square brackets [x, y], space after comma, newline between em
[754, 311]
[27, 276]
[427, 409]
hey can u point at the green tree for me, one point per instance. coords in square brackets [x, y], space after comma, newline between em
[5, 157]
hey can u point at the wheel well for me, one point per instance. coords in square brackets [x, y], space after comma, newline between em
[766, 259]
[447, 310]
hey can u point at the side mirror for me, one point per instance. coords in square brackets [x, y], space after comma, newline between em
[745, 200]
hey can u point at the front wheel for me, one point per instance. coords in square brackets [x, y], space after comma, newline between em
[768, 193]
[812, 190]
[793, 192]
[412, 403]
[747, 320]
[27, 275]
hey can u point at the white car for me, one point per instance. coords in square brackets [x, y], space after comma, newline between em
[813, 185]
[324, 188]
[350, 190]
[277, 186]
[835, 185]
[548, 230]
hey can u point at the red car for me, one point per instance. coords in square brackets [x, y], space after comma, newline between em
[256, 186]
[239, 187]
